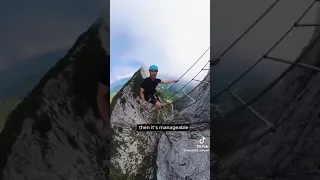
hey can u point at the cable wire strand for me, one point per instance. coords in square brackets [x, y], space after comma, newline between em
[188, 69]
[190, 80]
[263, 57]
[217, 60]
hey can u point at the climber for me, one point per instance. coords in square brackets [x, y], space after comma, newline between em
[148, 88]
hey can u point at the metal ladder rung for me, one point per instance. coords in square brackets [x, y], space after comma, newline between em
[292, 63]
[188, 96]
[201, 81]
[268, 123]
[306, 25]
[205, 69]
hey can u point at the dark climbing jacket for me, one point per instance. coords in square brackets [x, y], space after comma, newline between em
[149, 87]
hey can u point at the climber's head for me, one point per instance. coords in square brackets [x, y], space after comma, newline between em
[153, 69]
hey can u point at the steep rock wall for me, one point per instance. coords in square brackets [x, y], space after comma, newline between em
[175, 160]
[133, 154]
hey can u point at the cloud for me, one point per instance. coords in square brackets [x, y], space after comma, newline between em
[119, 72]
[171, 34]
[125, 76]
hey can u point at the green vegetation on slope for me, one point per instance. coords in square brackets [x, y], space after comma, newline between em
[167, 95]
[112, 95]
[167, 98]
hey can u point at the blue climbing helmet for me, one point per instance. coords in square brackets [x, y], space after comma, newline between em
[153, 67]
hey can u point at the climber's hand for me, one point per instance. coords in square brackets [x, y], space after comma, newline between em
[144, 102]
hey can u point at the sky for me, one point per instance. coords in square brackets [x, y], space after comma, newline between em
[30, 30]
[229, 22]
[169, 34]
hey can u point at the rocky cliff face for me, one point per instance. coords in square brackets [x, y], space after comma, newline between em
[158, 155]
[133, 154]
[175, 160]
[289, 152]
[56, 132]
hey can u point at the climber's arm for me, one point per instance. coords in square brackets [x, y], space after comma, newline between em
[142, 94]
[168, 81]
[143, 85]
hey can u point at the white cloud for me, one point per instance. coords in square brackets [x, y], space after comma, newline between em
[125, 76]
[121, 72]
[171, 34]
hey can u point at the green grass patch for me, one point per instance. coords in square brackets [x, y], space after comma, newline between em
[112, 96]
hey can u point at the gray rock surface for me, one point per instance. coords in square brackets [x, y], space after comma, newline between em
[159, 155]
[178, 155]
[290, 152]
[133, 156]
[56, 132]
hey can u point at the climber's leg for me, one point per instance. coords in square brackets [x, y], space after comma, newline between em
[156, 103]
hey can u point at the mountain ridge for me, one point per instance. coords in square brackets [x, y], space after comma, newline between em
[117, 85]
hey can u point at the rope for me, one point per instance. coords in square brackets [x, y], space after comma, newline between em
[187, 94]
[271, 85]
[190, 91]
[169, 99]
[187, 70]
[216, 61]
[191, 80]
[263, 57]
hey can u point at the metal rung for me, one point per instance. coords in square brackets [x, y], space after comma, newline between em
[188, 96]
[201, 81]
[268, 123]
[292, 63]
[205, 69]
[306, 25]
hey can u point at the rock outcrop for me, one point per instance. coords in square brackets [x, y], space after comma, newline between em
[133, 154]
[56, 132]
[177, 158]
[154, 154]
[289, 152]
